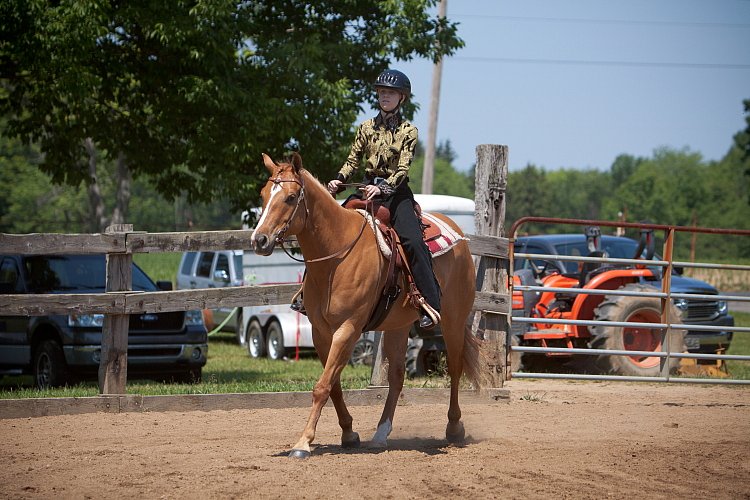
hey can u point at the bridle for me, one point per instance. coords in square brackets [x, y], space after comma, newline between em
[280, 235]
[279, 239]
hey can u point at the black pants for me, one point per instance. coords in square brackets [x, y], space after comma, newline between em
[406, 224]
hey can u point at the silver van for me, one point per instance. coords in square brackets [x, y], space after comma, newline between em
[213, 270]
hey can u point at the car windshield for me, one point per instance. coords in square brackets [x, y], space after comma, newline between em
[57, 273]
[620, 248]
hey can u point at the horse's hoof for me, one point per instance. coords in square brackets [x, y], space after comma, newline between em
[378, 445]
[351, 443]
[299, 454]
[455, 436]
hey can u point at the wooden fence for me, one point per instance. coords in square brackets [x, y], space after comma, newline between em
[119, 243]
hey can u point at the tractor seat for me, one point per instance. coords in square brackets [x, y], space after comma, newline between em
[588, 269]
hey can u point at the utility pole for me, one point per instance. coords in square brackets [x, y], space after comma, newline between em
[429, 154]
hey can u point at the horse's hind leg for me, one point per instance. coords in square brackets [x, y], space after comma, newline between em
[453, 335]
[394, 348]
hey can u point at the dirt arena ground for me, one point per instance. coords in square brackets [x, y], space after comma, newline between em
[555, 439]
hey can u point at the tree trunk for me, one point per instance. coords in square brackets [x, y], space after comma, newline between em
[120, 213]
[97, 220]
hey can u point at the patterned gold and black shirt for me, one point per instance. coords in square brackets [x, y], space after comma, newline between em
[387, 148]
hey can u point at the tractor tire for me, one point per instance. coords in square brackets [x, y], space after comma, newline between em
[637, 310]
[424, 362]
[516, 358]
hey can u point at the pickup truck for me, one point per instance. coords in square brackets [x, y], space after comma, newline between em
[62, 349]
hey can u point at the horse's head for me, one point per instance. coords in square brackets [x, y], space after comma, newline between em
[284, 209]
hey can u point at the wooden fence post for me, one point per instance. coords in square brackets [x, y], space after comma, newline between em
[379, 374]
[492, 273]
[113, 366]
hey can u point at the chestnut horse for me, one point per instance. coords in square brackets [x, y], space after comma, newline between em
[345, 274]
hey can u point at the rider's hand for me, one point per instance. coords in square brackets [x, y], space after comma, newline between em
[333, 186]
[371, 191]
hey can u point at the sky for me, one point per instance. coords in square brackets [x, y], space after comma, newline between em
[574, 84]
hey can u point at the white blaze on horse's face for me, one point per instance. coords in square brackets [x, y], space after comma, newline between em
[282, 196]
[275, 189]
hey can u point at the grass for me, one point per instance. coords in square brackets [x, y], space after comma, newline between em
[741, 346]
[159, 266]
[229, 370]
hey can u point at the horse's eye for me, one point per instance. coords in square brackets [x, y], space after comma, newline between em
[291, 198]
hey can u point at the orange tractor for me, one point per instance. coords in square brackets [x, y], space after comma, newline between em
[554, 265]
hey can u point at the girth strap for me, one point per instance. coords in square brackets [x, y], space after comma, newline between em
[391, 290]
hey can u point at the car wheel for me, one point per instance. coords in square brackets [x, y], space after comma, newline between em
[275, 341]
[256, 345]
[363, 353]
[50, 369]
[241, 332]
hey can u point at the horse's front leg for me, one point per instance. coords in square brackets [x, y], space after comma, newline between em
[394, 348]
[334, 355]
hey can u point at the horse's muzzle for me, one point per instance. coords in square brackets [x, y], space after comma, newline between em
[263, 245]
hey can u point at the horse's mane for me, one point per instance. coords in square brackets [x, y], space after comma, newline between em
[312, 182]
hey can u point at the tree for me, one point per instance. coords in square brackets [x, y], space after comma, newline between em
[188, 94]
[447, 180]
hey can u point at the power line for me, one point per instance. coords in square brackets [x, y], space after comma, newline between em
[602, 62]
[606, 21]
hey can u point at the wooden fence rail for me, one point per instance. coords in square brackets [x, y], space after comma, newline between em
[134, 302]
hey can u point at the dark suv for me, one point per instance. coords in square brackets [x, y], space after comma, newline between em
[59, 349]
[698, 311]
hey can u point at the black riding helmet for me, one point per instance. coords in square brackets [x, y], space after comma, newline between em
[394, 79]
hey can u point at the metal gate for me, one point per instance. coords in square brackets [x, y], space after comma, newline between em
[666, 324]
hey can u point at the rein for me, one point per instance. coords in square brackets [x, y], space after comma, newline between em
[280, 235]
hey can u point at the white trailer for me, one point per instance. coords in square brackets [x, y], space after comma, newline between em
[277, 331]
[274, 330]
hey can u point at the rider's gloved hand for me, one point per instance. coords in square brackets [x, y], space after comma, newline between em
[334, 186]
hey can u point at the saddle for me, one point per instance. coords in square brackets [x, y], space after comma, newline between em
[439, 238]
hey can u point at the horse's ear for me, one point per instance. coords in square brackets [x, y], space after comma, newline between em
[296, 161]
[268, 162]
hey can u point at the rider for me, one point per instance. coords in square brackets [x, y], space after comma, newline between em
[387, 143]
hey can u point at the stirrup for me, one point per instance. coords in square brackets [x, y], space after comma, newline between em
[298, 303]
[430, 317]
[426, 323]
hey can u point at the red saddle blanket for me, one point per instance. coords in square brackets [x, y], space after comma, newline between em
[438, 235]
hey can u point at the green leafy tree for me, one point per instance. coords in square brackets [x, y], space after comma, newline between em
[527, 195]
[188, 94]
[446, 179]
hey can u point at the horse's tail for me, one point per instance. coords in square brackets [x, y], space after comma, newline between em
[475, 361]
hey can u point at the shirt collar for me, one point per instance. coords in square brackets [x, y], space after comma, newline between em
[390, 121]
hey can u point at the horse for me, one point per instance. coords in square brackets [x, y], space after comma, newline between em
[345, 273]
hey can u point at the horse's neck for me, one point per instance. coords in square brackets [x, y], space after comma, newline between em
[329, 226]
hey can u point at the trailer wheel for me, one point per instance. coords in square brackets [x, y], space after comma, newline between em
[275, 341]
[241, 332]
[634, 310]
[256, 343]
[50, 369]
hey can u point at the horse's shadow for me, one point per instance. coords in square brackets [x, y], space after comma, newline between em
[427, 446]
